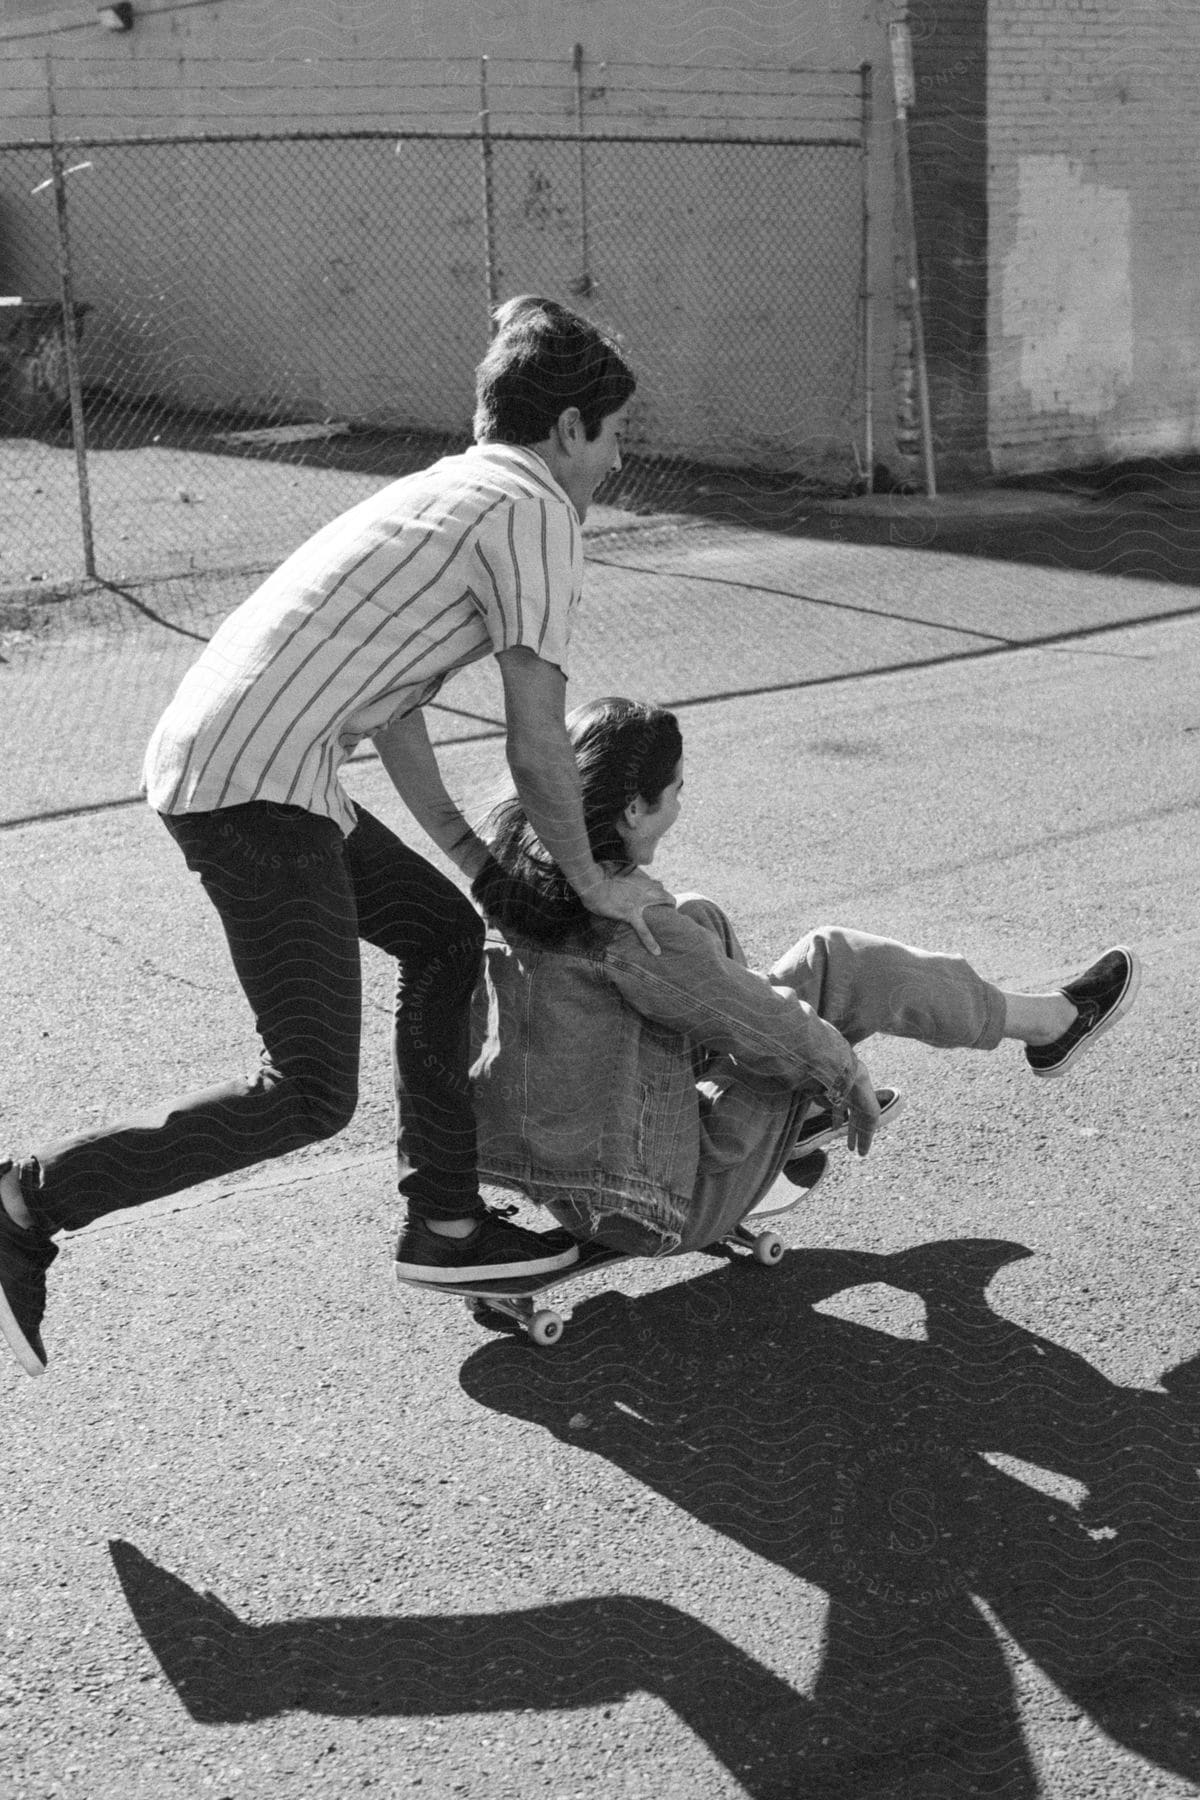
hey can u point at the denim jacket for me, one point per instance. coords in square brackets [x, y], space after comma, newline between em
[589, 1055]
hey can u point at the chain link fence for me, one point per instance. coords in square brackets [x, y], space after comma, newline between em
[268, 327]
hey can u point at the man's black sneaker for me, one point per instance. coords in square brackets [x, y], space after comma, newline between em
[1102, 994]
[24, 1258]
[495, 1251]
[819, 1130]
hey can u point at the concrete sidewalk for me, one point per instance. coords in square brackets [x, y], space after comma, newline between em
[1137, 519]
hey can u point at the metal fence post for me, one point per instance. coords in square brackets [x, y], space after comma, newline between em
[867, 299]
[905, 89]
[489, 209]
[70, 336]
[583, 284]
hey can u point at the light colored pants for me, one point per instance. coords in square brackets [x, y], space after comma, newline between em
[860, 984]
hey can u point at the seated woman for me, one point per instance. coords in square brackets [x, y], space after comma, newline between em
[650, 1101]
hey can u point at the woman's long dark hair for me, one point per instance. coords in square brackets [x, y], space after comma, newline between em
[623, 748]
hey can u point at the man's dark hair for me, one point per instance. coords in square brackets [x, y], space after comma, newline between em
[543, 359]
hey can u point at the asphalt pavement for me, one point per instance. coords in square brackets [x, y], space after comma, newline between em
[913, 1515]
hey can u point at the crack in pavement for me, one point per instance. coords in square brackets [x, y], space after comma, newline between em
[994, 647]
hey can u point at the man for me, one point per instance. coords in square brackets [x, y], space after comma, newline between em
[349, 639]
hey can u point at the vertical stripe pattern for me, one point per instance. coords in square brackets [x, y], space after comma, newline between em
[480, 553]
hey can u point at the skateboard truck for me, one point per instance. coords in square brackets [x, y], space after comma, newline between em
[544, 1325]
[518, 1299]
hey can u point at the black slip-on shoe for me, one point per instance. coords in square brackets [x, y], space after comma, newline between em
[1103, 994]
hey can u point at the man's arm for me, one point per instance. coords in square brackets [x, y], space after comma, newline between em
[542, 762]
[408, 756]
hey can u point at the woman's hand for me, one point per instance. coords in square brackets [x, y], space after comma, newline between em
[862, 1113]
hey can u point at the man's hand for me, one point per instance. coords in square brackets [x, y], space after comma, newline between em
[541, 758]
[862, 1113]
[624, 897]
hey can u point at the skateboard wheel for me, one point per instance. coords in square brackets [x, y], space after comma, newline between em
[546, 1327]
[768, 1247]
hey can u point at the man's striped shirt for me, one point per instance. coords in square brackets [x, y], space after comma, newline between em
[479, 553]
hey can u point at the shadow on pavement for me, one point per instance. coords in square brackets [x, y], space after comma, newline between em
[582, 1653]
[1136, 534]
[868, 1466]
[872, 1468]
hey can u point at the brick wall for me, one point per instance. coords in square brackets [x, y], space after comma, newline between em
[1094, 205]
[948, 153]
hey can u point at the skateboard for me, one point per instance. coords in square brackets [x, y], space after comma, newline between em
[519, 1298]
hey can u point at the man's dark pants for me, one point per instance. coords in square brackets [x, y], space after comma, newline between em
[295, 895]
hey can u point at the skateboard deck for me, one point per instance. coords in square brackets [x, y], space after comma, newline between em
[795, 1182]
[518, 1297]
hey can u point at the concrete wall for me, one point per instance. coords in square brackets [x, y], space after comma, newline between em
[1094, 325]
[733, 274]
[188, 64]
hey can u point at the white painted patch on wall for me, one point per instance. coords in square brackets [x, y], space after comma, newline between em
[1065, 290]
